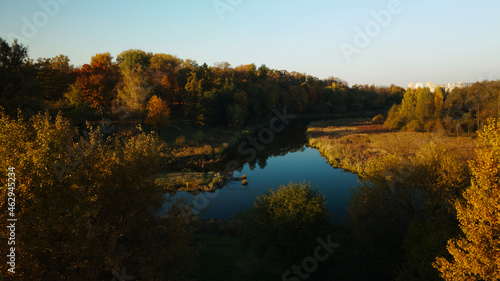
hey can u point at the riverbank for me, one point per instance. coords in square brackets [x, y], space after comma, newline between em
[194, 159]
[350, 143]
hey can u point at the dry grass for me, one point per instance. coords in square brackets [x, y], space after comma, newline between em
[350, 143]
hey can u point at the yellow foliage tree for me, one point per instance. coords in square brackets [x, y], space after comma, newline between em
[158, 112]
[87, 207]
[476, 256]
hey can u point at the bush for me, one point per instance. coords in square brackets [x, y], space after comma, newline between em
[379, 119]
[413, 126]
[286, 222]
[180, 140]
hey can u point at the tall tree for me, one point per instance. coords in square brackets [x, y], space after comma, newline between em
[476, 255]
[18, 84]
[54, 76]
[158, 112]
[163, 77]
[134, 90]
[132, 58]
[97, 81]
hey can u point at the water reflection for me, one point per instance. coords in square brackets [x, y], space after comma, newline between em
[298, 164]
[292, 139]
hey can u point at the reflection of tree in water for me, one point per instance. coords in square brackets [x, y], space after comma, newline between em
[292, 139]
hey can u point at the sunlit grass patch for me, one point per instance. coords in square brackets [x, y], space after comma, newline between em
[350, 143]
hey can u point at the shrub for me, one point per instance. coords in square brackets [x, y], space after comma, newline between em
[413, 126]
[180, 140]
[286, 222]
[379, 119]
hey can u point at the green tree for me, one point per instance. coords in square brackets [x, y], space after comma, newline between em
[300, 99]
[168, 63]
[54, 76]
[19, 87]
[237, 111]
[194, 98]
[131, 59]
[476, 254]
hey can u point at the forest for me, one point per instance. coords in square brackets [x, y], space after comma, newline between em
[88, 147]
[160, 88]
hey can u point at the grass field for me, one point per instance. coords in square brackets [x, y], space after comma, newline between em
[350, 143]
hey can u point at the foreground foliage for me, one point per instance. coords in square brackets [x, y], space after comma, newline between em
[86, 204]
[406, 205]
[476, 255]
[286, 222]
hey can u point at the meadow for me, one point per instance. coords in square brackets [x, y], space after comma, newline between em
[350, 143]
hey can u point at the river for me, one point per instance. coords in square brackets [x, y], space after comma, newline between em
[287, 159]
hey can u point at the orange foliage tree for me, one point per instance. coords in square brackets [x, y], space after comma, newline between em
[158, 112]
[97, 81]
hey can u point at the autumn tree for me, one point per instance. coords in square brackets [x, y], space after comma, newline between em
[163, 77]
[438, 102]
[158, 112]
[97, 81]
[476, 254]
[88, 206]
[246, 73]
[134, 91]
[405, 204]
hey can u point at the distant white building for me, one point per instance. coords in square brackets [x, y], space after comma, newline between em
[446, 87]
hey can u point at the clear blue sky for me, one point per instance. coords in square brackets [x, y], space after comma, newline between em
[440, 41]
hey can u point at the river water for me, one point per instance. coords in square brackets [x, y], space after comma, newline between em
[287, 159]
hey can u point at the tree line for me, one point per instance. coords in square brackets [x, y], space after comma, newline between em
[463, 110]
[159, 88]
